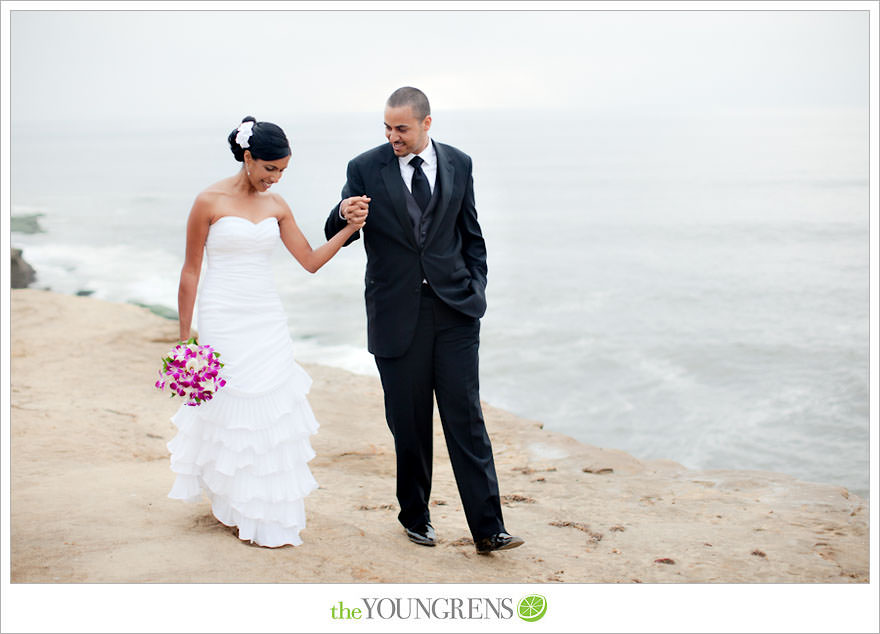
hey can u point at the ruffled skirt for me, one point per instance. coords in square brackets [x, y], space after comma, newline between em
[248, 453]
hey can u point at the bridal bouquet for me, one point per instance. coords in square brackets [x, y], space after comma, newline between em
[191, 371]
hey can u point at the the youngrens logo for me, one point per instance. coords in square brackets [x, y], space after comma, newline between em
[530, 608]
[439, 608]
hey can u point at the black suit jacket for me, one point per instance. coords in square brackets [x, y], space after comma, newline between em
[452, 259]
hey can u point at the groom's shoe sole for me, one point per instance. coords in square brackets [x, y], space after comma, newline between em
[423, 535]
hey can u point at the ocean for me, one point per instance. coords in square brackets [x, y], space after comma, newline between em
[683, 286]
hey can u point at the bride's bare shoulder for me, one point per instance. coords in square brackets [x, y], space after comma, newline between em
[210, 201]
[216, 193]
[220, 188]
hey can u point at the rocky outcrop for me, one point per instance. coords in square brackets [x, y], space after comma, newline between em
[29, 223]
[21, 273]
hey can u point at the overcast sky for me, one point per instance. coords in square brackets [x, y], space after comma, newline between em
[69, 65]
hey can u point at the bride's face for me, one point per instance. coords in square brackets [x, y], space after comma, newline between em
[263, 174]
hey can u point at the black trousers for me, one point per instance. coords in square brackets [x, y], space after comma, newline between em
[443, 359]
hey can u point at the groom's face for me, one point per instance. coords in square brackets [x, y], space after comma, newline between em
[404, 131]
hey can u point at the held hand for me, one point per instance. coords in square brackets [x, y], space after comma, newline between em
[355, 210]
[356, 223]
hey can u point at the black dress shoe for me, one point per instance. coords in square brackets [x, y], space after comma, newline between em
[422, 535]
[498, 541]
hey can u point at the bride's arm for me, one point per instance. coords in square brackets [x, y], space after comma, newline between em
[196, 234]
[311, 259]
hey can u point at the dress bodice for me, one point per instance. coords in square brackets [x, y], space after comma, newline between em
[238, 238]
[240, 251]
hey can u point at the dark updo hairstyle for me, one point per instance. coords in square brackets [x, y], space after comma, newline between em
[267, 143]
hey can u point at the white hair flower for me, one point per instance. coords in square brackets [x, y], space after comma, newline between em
[245, 130]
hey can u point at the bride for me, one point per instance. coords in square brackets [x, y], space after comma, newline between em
[247, 448]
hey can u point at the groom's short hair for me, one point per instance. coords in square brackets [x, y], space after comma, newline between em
[413, 97]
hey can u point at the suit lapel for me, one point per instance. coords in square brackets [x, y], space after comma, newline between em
[394, 185]
[445, 174]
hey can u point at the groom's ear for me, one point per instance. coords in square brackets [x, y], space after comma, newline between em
[426, 123]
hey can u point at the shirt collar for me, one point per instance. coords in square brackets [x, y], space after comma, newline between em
[428, 155]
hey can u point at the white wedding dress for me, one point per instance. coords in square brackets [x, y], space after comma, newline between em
[247, 448]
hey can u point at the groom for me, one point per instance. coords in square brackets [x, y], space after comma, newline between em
[425, 294]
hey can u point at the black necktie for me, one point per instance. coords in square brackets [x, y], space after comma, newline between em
[421, 190]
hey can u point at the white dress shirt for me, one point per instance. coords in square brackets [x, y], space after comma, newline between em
[429, 167]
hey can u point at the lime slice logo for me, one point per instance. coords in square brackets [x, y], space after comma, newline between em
[532, 608]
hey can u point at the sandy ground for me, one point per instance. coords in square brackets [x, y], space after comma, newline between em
[90, 475]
